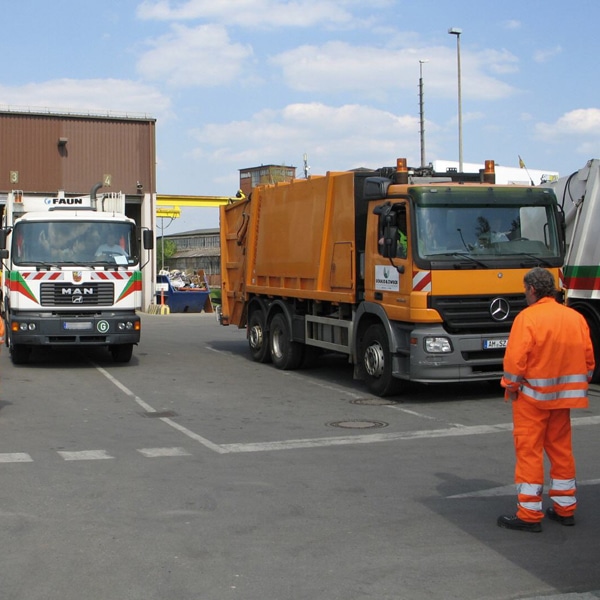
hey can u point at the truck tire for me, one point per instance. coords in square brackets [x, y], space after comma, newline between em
[285, 354]
[377, 362]
[258, 338]
[121, 353]
[19, 354]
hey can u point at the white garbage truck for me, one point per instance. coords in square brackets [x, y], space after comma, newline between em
[579, 196]
[71, 273]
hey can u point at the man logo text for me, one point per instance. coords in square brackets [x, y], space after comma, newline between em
[74, 291]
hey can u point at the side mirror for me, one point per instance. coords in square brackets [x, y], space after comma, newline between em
[3, 236]
[148, 239]
[562, 224]
[388, 243]
[387, 230]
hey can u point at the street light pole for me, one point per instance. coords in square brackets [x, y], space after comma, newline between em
[456, 31]
[162, 239]
[422, 112]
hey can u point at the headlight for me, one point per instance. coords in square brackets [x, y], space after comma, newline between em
[437, 345]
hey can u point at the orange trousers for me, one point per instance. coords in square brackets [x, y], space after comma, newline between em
[539, 430]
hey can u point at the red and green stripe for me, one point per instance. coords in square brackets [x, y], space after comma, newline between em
[133, 285]
[17, 284]
[585, 277]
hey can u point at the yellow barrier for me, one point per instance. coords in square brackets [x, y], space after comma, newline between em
[159, 309]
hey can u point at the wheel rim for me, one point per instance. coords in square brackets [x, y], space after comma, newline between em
[276, 343]
[374, 360]
[256, 337]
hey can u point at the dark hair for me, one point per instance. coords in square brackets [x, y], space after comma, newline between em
[542, 281]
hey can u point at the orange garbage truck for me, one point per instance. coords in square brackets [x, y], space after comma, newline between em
[414, 275]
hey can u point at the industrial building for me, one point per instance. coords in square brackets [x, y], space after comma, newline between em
[44, 152]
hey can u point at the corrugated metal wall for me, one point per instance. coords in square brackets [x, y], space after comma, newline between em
[91, 148]
[41, 153]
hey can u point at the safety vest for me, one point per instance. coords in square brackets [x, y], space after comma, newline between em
[549, 358]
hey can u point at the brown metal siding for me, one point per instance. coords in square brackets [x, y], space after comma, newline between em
[97, 146]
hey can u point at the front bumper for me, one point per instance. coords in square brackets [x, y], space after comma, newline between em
[98, 329]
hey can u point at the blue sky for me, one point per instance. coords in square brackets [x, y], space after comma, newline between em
[239, 83]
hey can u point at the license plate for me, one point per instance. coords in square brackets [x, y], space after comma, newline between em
[495, 344]
[78, 325]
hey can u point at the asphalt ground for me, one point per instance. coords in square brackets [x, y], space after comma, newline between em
[194, 473]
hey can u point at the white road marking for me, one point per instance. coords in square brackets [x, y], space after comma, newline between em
[124, 389]
[453, 430]
[367, 438]
[154, 452]
[15, 457]
[194, 436]
[150, 409]
[85, 455]
[509, 490]
[503, 490]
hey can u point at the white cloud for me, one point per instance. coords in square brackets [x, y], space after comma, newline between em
[583, 122]
[96, 96]
[591, 149]
[250, 13]
[333, 137]
[499, 62]
[200, 56]
[340, 67]
[512, 24]
[541, 56]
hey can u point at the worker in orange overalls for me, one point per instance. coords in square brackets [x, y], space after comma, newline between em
[548, 364]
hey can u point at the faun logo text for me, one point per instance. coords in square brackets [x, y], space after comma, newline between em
[64, 201]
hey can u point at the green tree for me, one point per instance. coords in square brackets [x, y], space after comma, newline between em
[165, 250]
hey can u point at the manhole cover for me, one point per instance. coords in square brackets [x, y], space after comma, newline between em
[357, 424]
[373, 401]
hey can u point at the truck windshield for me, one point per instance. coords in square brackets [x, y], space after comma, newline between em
[486, 232]
[73, 243]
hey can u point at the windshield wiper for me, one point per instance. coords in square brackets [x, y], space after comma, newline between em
[535, 258]
[462, 255]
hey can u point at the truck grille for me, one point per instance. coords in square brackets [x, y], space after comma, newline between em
[472, 314]
[88, 294]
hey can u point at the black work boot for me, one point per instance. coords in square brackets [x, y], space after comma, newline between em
[554, 516]
[513, 522]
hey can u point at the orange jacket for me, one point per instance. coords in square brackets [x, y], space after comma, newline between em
[549, 358]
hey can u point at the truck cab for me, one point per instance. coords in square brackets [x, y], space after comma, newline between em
[71, 274]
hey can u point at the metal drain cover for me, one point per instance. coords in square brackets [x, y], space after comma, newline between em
[358, 424]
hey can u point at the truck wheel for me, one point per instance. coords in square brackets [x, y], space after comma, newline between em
[121, 353]
[258, 338]
[19, 354]
[377, 362]
[285, 354]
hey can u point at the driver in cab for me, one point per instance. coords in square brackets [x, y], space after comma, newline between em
[111, 247]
